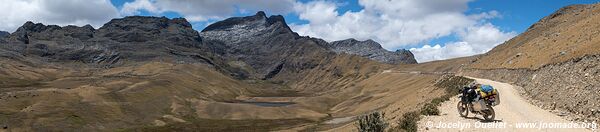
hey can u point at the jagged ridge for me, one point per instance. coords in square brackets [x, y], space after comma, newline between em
[255, 46]
[134, 38]
[373, 50]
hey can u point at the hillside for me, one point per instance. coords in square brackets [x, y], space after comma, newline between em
[555, 61]
[565, 34]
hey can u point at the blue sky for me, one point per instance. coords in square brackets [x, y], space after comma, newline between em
[517, 15]
[431, 29]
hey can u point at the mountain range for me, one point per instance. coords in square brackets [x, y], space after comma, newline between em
[254, 73]
[238, 59]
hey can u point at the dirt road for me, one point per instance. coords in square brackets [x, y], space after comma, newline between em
[513, 114]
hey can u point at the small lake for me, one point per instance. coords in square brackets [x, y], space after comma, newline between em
[270, 104]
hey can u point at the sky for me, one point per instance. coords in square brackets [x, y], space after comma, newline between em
[431, 29]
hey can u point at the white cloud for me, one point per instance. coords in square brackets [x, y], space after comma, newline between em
[319, 12]
[132, 8]
[404, 23]
[413, 8]
[60, 12]
[475, 40]
[203, 10]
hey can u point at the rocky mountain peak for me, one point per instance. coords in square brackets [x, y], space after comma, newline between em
[242, 33]
[403, 51]
[133, 38]
[266, 46]
[372, 50]
[351, 42]
[257, 21]
[39, 31]
[145, 28]
[145, 23]
[261, 13]
[278, 19]
[27, 29]
[36, 27]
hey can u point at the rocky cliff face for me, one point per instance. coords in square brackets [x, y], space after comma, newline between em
[373, 50]
[264, 47]
[127, 39]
